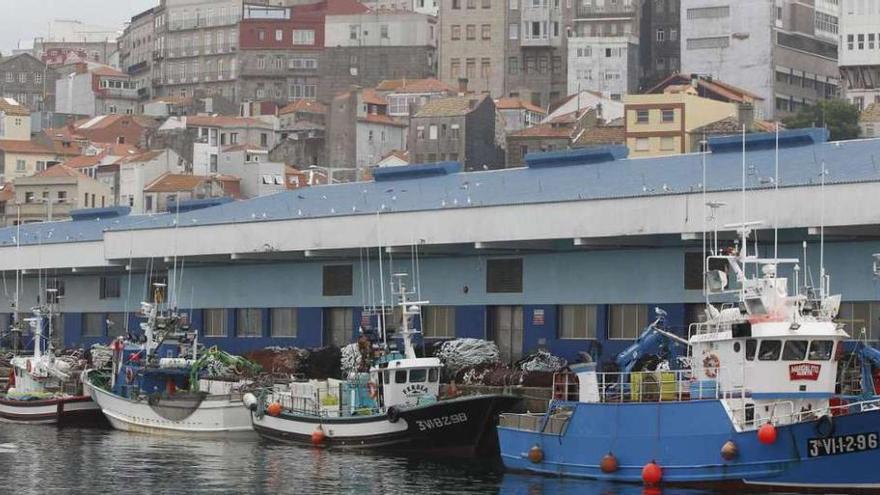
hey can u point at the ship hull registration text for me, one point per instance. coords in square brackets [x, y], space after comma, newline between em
[843, 444]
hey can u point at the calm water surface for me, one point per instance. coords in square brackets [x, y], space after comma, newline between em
[45, 460]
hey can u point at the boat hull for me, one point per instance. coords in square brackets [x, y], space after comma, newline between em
[214, 417]
[685, 439]
[463, 426]
[65, 411]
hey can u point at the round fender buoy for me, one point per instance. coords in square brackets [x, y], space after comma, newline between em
[825, 426]
[767, 434]
[393, 414]
[652, 473]
[250, 401]
[729, 451]
[536, 454]
[318, 437]
[129, 375]
[609, 463]
[273, 409]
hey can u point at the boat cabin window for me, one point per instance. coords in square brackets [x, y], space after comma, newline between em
[433, 375]
[770, 350]
[751, 348]
[418, 376]
[755, 306]
[385, 377]
[821, 350]
[400, 376]
[795, 350]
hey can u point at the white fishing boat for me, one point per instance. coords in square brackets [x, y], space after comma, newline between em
[176, 394]
[46, 389]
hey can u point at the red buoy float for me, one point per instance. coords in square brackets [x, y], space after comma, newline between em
[536, 454]
[767, 434]
[609, 464]
[652, 473]
[273, 409]
[318, 437]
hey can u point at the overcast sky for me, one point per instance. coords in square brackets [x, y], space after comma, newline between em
[26, 19]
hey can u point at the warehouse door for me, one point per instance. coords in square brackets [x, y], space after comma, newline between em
[338, 328]
[507, 331]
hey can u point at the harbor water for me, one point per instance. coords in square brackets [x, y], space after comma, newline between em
[47, 460]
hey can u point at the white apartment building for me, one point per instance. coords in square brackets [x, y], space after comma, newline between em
[781, 50]
[860, 51]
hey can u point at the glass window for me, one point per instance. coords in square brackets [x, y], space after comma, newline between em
[116, 324]
[283, 322]
[400, 376]
[577, 321]
[770, 350]
[642, 116]
[438, 322]
[418, 376]
[433, 375]
[110, 288]
[820, 350]
[751, 348]
[794, 350]
[626, 321]
[862, 319]
[214, 323]
[93, 325]
[249, 323]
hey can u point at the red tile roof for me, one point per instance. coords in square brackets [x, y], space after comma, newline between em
[516, 103]
[343, 7]
[7, 192]
[141, 157]
[169, 182]
[373, 118]
[24, 147]
[60, 171]
[543, 131]
[371, 97]
[223, 121]
[304, 106]
[108, 71]
[601, 135]
[82, 161]
[429, 85]
[13, 107]
[723, 89]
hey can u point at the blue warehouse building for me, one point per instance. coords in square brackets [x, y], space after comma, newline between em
[570, 253]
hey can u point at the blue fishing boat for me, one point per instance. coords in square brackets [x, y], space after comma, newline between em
[754, 399]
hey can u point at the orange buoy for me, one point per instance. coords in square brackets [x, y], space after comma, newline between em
[652, 473]
[273, 409]
[536, 454]
[609, 463]
[318, 437]
[729, 451]
[767, 434]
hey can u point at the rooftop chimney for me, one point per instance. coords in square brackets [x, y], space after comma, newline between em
[745, 114]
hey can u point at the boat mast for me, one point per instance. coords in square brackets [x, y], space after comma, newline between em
[381, 318]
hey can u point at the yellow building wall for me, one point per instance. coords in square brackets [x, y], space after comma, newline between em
[13, 170]
[16, 127]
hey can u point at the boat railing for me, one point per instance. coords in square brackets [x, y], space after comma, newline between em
[660, 386]
[786, 413]
[553, 422]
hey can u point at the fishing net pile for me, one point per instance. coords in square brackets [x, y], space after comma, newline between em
[215, 363]
[542, 360]
[102, 355]
[459, 354]
[305, 363]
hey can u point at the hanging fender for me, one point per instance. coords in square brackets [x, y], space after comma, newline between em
[129, 375]
[710, 365]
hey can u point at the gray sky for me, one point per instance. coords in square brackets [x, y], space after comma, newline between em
[26, 19]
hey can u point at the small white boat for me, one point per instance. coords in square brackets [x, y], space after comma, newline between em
[44, 389]
[170, 395]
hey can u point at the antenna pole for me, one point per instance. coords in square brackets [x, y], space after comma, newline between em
[704, 214]
[776, 202]
[381, 283]
[744, 248]
[822, 238]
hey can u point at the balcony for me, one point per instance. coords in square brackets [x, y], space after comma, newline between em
[620, 9]
[200, 49]
[121, 93]
[203, 22]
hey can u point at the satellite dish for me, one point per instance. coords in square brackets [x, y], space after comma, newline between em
[716, 281]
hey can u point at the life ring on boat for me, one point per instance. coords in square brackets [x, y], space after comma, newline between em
[710, 365]
[393, 414]
[129, 375]
[825, 426]
[373, 390]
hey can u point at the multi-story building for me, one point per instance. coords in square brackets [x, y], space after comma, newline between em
[136, 171]
[360, 131]
[859, 51]
[196, 46]
[30, 81]
[536, 48]
[367, 48]
[869, 121]
[664, 124]
[430, 7]
[782, 50]
[24, 158]
[472, 46]
[71, 41]
[518, 114]
[136, 51]
[281, 52]
[659, 43]
[406, 96]
[55, 192]
[603, 50]
[85, 88]
[460, 129]
[15, 120]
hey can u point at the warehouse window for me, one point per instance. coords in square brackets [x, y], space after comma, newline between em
[860, 317]
[438, 322]
[214, 321]
[338, 280]
[577, 321]
[283, 322]
[627, 321]
[249, 323]
[116, 324]
[93, 325]
[109, 288]
[504, 275]
[709, 42]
